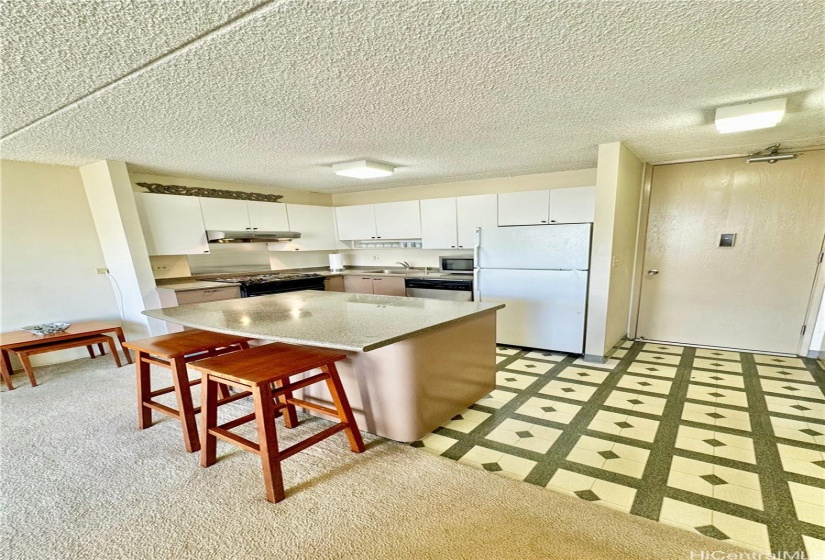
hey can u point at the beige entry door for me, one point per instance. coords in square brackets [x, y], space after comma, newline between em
[753, 295]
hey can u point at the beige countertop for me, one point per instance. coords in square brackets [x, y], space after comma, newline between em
[344, 321]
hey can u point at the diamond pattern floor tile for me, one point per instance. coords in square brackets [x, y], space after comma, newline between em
[592, 489]
[717, 365]
[716, 444]
[657, 370]
[688, 436]
[714, 354]
[657, 348]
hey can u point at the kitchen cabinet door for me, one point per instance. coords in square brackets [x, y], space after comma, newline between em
[172, 225]
[398, 220]
[523, 208]
[472, 212]
[267, 216]
[438, 223]
[355, 222]
[388, 286]
[358, 284]
[316, 224]
[334, 284]
[572, 205]
[224, 214]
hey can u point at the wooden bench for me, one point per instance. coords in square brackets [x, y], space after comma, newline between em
[53, 346]
[15, 341]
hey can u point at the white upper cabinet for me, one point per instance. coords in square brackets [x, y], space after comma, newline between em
[555, 206]
[356, 222]
[438, 223]
[472, 212]
[172, 225]
[268, 216]
[449, 223]
[572, 205]
[240, 215]
[523, 208]
[398, 220]
[316, 224]
[392, 220]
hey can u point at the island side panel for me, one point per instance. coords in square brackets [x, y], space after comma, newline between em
[407, 389]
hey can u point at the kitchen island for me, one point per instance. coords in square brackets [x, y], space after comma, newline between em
[412, 363]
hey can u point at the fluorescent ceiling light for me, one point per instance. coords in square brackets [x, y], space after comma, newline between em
[363, 169]
[750, 116]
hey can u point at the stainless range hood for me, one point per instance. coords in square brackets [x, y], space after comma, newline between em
[250, 236]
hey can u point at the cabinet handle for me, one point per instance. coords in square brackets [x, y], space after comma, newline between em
[452, 246]
[552, 221]
[461, 246]
[255, 228]
[544, 221]
[249, 228]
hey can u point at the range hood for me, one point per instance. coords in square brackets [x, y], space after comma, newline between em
[250, 236]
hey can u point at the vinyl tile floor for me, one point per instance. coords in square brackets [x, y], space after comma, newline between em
[727, 444]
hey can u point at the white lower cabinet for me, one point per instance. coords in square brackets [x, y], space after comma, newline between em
[172, 224]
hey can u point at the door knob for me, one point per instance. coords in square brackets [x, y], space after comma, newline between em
[652, 272]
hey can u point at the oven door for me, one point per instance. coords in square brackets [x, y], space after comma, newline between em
[269, 288]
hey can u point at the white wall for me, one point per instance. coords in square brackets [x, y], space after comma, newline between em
[618, 196]
[537, 181]
[49, 251]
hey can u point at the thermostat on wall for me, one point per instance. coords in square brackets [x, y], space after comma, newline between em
[727, 240]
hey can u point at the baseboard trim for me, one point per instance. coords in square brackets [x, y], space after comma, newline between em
[816, 355]
[594, 358]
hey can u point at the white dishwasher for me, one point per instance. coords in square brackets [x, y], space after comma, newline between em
[440, 288]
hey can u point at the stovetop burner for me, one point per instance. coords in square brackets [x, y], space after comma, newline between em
[266, 278]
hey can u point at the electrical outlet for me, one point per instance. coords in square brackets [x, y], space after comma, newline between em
[375, 257]
[102, 270]
[161, 267]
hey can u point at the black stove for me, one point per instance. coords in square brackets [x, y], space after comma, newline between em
[265, 284]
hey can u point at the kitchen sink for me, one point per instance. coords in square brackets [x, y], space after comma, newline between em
[388, 271]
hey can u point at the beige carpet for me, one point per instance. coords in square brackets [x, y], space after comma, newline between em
[80, 481]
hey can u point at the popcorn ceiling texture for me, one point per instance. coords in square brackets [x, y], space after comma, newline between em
[443, 90]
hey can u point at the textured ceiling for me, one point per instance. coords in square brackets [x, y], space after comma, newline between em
[273, 93]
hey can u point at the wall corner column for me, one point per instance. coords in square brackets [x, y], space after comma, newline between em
[111, 200]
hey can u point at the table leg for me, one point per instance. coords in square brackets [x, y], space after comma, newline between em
[122, 339]
[91, 350]
[186, 411]
[5, 369]
[113, 349]
[27, 367]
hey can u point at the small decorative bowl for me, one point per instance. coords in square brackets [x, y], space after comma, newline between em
[47, 328]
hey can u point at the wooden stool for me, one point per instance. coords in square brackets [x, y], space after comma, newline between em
[257, 370]
[87, 341]
[174, 351]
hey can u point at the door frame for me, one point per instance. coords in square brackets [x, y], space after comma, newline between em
[817, 292]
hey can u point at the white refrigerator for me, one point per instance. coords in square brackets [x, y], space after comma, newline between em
[541, 274]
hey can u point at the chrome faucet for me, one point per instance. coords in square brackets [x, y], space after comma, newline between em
[405, 264]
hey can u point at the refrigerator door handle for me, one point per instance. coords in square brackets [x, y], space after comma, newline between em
[476, 243]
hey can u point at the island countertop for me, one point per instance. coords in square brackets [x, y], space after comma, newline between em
[343, 321]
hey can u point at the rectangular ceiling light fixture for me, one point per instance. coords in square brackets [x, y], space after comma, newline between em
[363, 169]
[750, 116]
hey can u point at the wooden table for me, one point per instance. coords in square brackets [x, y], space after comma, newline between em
[16, 340]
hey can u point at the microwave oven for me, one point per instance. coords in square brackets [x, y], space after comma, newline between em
[462, 264]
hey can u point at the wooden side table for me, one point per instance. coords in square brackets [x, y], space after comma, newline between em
[16, 340]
